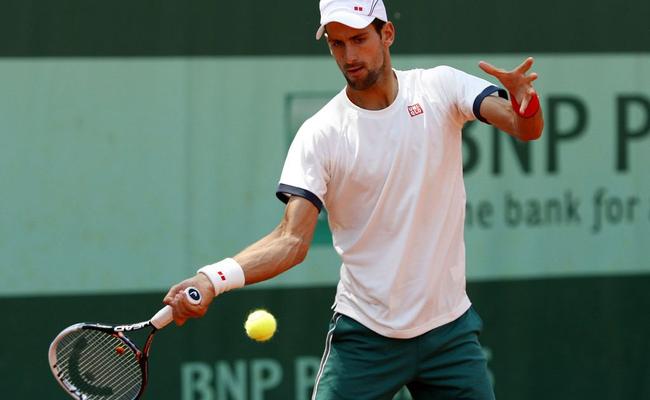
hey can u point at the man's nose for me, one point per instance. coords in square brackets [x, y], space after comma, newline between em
[351, 55]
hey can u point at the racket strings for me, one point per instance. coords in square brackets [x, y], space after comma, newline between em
[105, 360]
[95, 371]
[99, 365]
[102, 372]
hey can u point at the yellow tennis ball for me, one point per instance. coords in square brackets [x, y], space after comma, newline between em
[260, 325]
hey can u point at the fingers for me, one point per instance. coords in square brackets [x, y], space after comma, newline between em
[489, 68]
[183, 308]
[181, 312]
[526, 100]
[180, 321]
[524, 104]
[516, 81]
[525, 66]
[170, 294]
[520, 70]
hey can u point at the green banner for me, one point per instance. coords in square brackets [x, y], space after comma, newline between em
[577, 338]
[127, 175]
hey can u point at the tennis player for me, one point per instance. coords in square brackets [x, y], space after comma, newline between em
[384, 156]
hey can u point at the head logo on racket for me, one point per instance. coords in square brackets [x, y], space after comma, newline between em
[193, 295]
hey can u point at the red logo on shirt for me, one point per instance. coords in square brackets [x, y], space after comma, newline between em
[358, 8]
[415, 109]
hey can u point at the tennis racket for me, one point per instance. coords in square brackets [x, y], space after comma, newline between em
[99, 362]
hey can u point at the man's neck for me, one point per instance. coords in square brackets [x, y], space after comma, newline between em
[378, 96]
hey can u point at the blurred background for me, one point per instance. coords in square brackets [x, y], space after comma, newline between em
[142, 140]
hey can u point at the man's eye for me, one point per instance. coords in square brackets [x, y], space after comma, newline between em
[359, 40]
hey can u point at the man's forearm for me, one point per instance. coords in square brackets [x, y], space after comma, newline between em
[275, 253]
[499, 113]
[271, 255]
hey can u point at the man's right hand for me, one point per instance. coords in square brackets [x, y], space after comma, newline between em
[183, 309]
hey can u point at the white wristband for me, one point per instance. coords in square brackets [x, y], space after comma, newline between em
[225, 275]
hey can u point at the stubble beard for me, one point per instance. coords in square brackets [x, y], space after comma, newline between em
[371, 78]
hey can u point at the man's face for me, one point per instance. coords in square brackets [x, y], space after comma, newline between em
[360, 53]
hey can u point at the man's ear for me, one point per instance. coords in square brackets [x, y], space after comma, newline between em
[388, 34]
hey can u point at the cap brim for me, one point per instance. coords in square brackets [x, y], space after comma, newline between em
[345, 17]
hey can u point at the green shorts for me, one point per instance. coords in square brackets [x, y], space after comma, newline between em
[444, 363]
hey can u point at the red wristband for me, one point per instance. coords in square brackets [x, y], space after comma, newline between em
[531, 110]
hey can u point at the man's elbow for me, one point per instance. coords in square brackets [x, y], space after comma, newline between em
[299, 250]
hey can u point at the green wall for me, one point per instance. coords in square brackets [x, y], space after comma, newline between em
[141, 141]
[124, 175]
[571, 338]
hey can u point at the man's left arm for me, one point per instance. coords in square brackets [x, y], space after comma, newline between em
[526, 122]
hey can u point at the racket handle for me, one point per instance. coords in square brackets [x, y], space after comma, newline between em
[162, 317]
[165, 316]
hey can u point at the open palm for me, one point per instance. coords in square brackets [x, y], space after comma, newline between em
[516, 81]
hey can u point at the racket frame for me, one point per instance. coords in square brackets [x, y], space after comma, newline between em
[162, 318]
[117, 331]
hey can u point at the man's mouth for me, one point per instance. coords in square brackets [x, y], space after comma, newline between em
[354, 70]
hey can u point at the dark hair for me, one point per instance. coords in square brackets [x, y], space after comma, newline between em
[378, 24]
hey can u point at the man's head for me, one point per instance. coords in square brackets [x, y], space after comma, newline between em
[353, 13]
[359, 35]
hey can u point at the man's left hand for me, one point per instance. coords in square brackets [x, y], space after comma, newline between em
[516, 81]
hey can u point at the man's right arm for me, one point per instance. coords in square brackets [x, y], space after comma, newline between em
[283, 248]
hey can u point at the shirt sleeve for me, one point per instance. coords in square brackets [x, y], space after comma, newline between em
[305, 171]
[466, 92]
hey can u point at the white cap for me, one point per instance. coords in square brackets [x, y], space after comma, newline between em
[354, 13]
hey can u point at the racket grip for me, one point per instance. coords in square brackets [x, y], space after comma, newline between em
[162, 317]
[165, 315]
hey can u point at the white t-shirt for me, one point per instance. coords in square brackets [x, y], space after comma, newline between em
[392, 183]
